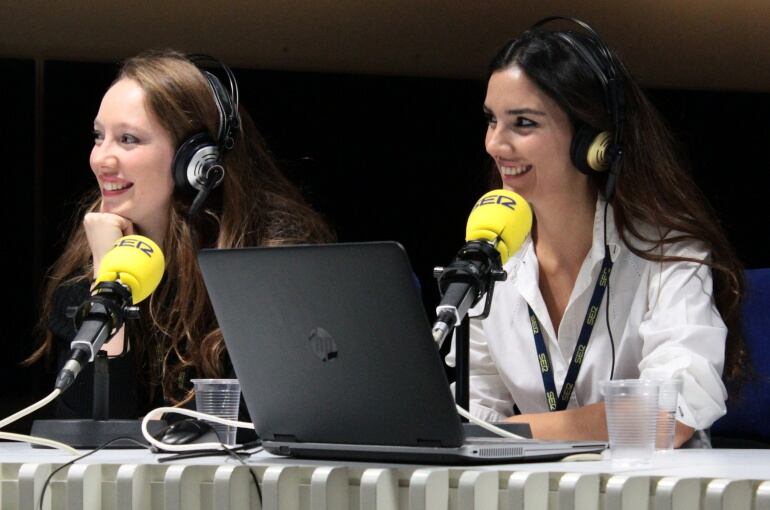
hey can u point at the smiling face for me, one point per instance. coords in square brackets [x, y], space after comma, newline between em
[529, 136]
[131, 158]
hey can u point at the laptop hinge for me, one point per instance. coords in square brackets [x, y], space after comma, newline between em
[285, 438]
[431, 443]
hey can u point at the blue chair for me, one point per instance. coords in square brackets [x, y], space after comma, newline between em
[747, 422]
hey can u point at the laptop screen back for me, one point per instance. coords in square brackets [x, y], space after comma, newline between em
[331, 344]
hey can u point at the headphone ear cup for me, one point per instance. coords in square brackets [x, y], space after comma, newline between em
[588, 149]
[192, 160]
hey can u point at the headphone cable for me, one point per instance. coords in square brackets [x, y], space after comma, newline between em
[607, 306]
[213, 177]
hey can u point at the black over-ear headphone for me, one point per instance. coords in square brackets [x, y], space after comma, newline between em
[592, 149]
[197, 164]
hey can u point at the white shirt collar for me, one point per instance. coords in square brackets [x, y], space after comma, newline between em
[614, 243]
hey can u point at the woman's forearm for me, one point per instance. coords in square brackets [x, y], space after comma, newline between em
[583, 423]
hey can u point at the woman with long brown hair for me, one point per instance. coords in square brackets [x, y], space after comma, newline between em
[178, 161]
[626, 273]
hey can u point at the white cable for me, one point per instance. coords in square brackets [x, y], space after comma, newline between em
[38, 440]
[158, 413]
[32, 439]
[31, 409]
[485, 425]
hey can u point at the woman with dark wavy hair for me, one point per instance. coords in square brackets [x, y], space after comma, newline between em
[626, 274]
[159, 100]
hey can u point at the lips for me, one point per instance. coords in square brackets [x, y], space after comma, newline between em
[508, 170]
[115, 188]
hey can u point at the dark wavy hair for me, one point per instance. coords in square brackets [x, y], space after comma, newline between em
[256, 205]
[654, 185]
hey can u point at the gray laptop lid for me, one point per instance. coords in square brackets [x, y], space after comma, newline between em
[331, 344]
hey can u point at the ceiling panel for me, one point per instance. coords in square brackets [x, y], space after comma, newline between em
[702, 44]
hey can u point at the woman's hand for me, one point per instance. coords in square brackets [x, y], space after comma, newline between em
[102, 230]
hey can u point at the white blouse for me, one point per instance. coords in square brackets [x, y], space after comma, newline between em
[662, 316]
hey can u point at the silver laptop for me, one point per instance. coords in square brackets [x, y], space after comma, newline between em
[333, 350]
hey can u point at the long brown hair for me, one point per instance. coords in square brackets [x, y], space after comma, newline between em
[256, 205]
[654, 186]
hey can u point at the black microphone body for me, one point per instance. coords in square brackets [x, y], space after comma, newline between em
[457, 300]
[464, 283]
[97, 320]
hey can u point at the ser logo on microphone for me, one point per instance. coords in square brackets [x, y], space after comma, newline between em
[136, 243]
[503, 200]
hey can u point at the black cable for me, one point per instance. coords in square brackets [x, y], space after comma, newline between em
[609, 330]
[191, 454]
[242, 451]
[607, 307]
[237, 457]
[236, 453]
[48, 480]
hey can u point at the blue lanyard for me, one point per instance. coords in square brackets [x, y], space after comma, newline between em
[546, 367]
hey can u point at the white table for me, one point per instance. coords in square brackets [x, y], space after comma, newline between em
[133, 479]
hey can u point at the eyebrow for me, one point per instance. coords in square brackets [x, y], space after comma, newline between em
[519, 111]
[122, 125]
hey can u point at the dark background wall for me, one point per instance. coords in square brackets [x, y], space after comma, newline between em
[381, 157]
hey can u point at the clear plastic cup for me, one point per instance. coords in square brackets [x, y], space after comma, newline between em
[220, 397]
[668, 397]
[631, 407]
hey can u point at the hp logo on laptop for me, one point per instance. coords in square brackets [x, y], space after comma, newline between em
[323, 344]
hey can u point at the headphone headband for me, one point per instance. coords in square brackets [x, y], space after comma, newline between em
[604, 68]
[603, 48]
[602, 62]
[227, 101]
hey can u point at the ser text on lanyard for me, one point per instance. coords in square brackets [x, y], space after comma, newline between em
[546, 367]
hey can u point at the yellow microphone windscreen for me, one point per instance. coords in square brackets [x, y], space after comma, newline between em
[137, 262]
[502, 216]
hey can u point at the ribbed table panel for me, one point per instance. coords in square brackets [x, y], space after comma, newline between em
[135, 480]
